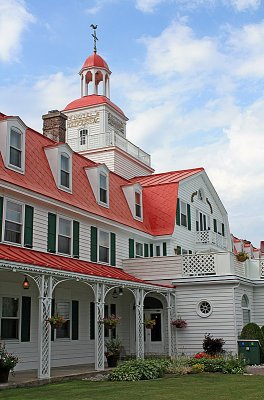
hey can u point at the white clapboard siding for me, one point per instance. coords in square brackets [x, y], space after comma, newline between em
[239, 292]
[220, 323]
[258, 305]
[105, 156]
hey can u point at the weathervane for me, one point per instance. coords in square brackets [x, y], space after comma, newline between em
[94, 27]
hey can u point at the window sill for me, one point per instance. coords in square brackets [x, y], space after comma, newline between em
[16, 169]
[65, 189]
[100, 203]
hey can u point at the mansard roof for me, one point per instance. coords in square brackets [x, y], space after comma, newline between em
[160, 191]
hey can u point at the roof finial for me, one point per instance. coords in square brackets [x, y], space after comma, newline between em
[94, 36]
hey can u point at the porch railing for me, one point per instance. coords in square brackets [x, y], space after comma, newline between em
[210, 237]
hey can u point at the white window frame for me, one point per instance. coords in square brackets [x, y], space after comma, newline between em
[205, 216]
[57, 234]
[183, 203]
[6, 200]
[98, 247]
[198, 308]
[219, 224]
[201, 195]
[12, 166]
[66, 319]
[158, 250]
[245, 308]
[83, 135]
[142, 247]
[16, 318]
[139, 205]
[103, 173]
[65, 155]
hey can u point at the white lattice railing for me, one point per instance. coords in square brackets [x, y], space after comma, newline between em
[199, 265]
[209, 237]
[261, 267]
[109, 139]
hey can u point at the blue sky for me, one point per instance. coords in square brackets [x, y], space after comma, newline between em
[189, 74]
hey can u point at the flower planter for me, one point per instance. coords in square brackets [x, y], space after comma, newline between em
[108, 326]
[112, 361]
[56, 326]
[4, 374]
[148, 326]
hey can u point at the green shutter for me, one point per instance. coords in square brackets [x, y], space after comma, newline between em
[164, 245]
[146, 250]
[223, 229]
[76, 236]
[151, 250]
[215, 225]
[92, 320]
[28, 230]
[25, 319]
[189, 217]
[93, 243]
[113, 249]
[52, 233]
[131, 248]
[178, 213]
[1, 216]
[75, 320]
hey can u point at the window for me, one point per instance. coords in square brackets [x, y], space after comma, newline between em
[9, 318]
[83, 136]
[65, 171]
[204, 308]
[202, 221]
[201, 194]
[139, 250]
[138, 204]
[245, 309]
[13, 222]
[183, 209]
[158, 251]
[15, 148]
[104, 246]
[103, 188]
[219, 227]
[64, 236]
[63, 310]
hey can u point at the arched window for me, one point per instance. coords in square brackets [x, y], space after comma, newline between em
[245, 309]
[201, 194]
[83, 136]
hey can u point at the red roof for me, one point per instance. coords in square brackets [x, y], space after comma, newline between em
[47, 260]
[92, 100]
[160, 191]
[94, 60]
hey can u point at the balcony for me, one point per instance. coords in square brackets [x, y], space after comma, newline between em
[211, 238]
[110, 139]
[170, 268]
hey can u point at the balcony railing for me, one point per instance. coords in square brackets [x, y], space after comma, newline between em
[109, 139]
[210, 237]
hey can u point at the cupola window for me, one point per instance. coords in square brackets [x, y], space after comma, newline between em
[83, 136]
[15, 155]
[65, 171]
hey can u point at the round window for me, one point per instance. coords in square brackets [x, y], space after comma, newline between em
[204, 308]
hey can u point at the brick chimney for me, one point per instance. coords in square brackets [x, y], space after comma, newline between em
[54, 125]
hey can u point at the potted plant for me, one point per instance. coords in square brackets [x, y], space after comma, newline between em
[56, 321]
[113, 350]
[111, 322]
[242, 256]
[149, 323]
[179, 323]
[8, 361]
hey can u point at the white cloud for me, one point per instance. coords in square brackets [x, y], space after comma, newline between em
[98, 6]
[244, 5]
[14, 19]
[148, 6]
[33, 100]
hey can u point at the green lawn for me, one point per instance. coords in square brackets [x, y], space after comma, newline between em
[191, 387]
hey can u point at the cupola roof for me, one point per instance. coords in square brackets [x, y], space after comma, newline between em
[94, 60]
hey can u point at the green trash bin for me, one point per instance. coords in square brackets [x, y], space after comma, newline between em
[250, 350]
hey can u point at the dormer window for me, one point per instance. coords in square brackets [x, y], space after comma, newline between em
[83, 136]
[138, 207]
[65, 171]
[15, 154]
[103, 188]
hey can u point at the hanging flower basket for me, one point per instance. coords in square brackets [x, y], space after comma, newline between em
[111, 322]
[179, 323]
[150, 323]
[242, 256]
[56, 321]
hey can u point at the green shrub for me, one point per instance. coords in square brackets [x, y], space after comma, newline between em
[136, 370]
[234, 365]
[213, 345]
[197, 368]
[254, 332]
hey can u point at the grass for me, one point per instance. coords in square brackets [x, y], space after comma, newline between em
[195, 387]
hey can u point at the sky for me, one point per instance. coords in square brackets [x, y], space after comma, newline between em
[189, 75]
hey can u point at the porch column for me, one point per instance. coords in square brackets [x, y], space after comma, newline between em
[139, 296]
[99, 328]
[171, 315]
[45, 299]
